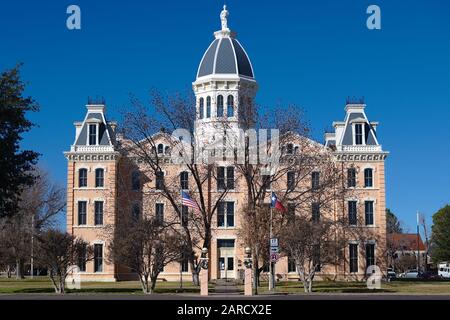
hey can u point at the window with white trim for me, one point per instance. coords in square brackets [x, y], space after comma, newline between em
[159, 212]
[99, 178]
[98, 209]
[184, 180]
[370, 254]
[202, 108]
[368, 178]
[225, 214]
[220, 106]
[225, 178]
[98, 257]
[353, 257]
[291, 180]
[230, 106]
[359, 134]
[82, 177]
[351, 178]
[352, 213]
[92, 134]
[208, 107]
[82, 213]
[368, 208]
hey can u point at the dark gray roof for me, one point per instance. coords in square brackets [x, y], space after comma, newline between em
[370, 132]
[103, 136]
[225, 56]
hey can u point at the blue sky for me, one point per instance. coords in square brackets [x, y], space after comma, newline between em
[312, 53]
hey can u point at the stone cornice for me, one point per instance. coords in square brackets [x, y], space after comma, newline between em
[360, 156]
[92, 156]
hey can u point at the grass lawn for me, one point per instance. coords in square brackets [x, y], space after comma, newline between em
[44, 285]
[402, 287]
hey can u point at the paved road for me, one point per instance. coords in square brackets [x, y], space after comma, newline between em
[219, 296]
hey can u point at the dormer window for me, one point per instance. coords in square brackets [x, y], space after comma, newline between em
[93, 135]
[359, 134]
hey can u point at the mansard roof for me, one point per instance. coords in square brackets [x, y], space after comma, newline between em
[358, 117]
[96, 114]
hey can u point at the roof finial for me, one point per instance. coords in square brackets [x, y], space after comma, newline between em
[224, 18]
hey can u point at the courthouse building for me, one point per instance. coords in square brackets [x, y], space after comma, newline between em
[98, 175]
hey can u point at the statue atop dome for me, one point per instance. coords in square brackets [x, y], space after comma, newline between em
[224, 18]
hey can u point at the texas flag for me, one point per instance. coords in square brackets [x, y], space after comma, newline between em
[275, 203]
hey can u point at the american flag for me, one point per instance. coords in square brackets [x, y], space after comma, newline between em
[187, 201]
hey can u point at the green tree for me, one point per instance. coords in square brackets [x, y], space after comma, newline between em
[441, 235]
[392, 223]
[15, 164]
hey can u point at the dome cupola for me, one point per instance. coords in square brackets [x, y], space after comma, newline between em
[225, 55]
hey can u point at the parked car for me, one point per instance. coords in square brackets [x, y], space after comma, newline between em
[429, 275]
[444, 270]
[391, 275]
[410, 274]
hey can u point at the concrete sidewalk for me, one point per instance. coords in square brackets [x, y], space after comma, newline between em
[226, 288]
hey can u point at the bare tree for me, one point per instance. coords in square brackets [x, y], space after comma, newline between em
[312, 245]
[146, 247]
[143, 133]
[58, 251]
[39, 205]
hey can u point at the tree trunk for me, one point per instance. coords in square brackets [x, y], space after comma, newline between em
[310, 285]
[195, 273]
[62, 285]
[152, 289]
[144, 283]
[19, 269]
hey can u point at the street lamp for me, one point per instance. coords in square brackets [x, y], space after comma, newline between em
[248, 257]
[204, 258]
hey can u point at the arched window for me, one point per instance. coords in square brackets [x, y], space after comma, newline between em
[99, 178]
[82, 178]
[167, 150]
[290, 148]
[230, 106]
[368, 178]
[160, 148]
[220, 106]
[208, 107]
[135, 181]
[201, 103]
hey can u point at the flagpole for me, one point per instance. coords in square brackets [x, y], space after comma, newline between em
[271, 286]
[418, 243]
[184, 249]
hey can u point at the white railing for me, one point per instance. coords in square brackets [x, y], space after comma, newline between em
[361, 148]
[92, 149]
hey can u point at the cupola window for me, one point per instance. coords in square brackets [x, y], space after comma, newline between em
[202, 111]
[230, 106]
[208, 107]
[220, 106]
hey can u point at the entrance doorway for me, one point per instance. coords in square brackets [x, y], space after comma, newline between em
[225, 249]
